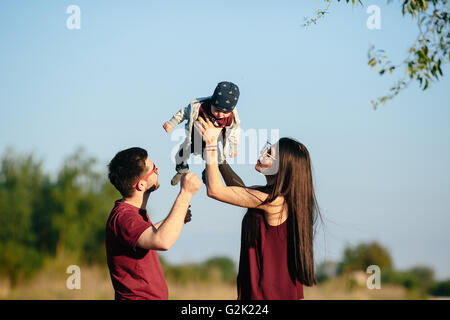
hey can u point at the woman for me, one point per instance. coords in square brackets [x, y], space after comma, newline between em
[277, 231]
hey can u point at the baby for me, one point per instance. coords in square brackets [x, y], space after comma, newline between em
[220, 108]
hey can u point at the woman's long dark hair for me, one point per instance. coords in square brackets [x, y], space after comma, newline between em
[294, 183]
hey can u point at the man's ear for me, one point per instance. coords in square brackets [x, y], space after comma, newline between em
[140, 186]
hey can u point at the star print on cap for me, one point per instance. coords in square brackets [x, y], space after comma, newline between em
[225, 96]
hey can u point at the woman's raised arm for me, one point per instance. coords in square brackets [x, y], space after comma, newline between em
[229, 176]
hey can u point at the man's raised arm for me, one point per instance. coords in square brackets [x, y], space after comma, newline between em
[168, 231]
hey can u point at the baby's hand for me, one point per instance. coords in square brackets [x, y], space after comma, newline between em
[232, 154]
[167, 126]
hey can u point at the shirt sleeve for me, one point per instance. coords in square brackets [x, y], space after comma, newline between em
[180, 116]
[130, 226]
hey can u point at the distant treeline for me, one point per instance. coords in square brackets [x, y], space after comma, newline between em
[219, 269]
[419, 280]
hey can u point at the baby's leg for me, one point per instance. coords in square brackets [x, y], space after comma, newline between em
[181, 165]
[181, 159]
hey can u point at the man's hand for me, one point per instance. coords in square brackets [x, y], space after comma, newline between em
[190, 183]
[167, 126]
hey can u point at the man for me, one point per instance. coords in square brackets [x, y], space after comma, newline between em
[131, 238]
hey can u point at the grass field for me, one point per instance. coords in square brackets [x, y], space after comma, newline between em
[50, 284]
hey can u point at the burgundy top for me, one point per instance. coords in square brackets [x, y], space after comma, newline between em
[263, 268]
[136, 273]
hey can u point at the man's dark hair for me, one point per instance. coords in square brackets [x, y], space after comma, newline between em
[126, 168]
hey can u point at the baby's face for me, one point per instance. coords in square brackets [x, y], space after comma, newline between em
[219, 114]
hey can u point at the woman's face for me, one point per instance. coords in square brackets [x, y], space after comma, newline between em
[267, 161]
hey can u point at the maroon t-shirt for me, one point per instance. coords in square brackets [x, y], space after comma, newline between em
[263, 268]
[135, 273]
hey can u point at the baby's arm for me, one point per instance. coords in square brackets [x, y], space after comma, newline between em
[177, 118]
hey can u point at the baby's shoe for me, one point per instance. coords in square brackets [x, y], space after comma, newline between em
[204, 176]
[176, 178]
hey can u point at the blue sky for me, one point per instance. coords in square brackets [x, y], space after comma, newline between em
[380, 175]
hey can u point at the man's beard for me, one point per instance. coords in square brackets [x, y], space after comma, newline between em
[153, 188]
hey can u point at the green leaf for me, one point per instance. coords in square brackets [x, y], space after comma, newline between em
[374, 104]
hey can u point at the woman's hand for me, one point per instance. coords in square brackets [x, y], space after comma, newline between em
[207, 130]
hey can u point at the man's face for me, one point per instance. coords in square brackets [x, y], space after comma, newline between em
[219, 114]
[152, 180]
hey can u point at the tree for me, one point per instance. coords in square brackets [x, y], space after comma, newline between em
[426, 55]
[226, 267]
[20, 187]
[424, 275]
[326, 270]
[41, 217]
[363, 255]
[80, 202]
[441, 288]
[419, 280]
